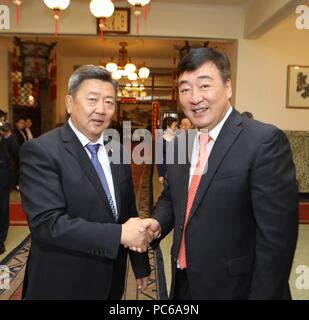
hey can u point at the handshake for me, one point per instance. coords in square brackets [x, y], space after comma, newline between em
[137, 234]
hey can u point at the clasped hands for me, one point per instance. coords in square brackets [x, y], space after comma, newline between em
[137, 234]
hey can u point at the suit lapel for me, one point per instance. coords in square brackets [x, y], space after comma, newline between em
[115, 176]
[182, 172]
[73, 146]
[229, 132]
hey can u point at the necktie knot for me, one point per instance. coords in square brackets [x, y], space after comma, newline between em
[93, 149]
[204, 139]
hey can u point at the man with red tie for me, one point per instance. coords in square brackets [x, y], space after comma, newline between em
[233, 204]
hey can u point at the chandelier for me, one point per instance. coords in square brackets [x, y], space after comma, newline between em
[125, 67]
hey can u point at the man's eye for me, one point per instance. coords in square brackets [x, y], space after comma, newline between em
[92, 99]
[205, 86]
[184, 90]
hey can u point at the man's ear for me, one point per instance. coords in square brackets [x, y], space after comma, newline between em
[229, 90]
[68, 103]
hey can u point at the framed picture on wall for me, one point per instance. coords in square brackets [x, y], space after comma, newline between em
[298, 87]
[138, 114]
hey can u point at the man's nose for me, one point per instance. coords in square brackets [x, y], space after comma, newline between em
[196, 96]
[100, 107]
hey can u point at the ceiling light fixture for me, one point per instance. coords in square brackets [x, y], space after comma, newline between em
[57, 6]
[138, 4]
[125, 67]
[102, 9]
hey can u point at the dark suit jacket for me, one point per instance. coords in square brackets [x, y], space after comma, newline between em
[242, 229]
[21, 139]
[75, 251]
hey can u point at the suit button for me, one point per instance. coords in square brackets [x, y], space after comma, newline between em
[181, 227]
[175, 260]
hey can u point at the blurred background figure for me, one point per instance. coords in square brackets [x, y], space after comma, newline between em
[169, 126]
[20, 131]
[9, 150]
[185, 124]
[247, 114]
[28, 125]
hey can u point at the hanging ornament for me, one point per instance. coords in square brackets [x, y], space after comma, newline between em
[15, 69]
[5, 2]
[138, 4]
[102, 9]
[57, 6]
[17, 10]
[53, 78]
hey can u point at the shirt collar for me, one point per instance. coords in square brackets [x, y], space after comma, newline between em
[82, 138]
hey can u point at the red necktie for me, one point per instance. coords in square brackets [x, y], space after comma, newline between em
[196, 178]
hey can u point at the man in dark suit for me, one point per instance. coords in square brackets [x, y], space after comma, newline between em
[80, 207]
[9, 150]
[236, 233]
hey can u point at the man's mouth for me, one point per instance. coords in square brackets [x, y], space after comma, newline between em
[200, 110]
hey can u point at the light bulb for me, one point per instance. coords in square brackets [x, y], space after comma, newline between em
[102, 8]
[143, 72]
[130, 67]
[111, 67]
[57, 4]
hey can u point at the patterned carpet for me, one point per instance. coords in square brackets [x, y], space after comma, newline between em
[15, 261]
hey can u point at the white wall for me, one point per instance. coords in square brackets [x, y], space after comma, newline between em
[164, 19]
[262, 74]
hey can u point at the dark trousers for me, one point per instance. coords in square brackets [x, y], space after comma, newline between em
[4, 212]
[182, 289]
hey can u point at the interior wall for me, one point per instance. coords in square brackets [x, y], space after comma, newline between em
[262, 74]
[5, 47]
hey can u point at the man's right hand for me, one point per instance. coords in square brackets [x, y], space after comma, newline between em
[133, 235]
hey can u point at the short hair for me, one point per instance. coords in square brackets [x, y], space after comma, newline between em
[197, 57]
[167, 122]
[5, 127]
[87, 72]
[247, 114]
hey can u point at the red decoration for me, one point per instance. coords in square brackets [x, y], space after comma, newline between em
[155, 117]
[36, 89]
[53, 77]
[17, 11]
[145, 13]
[137, 23]
[5, 2]
[15, 89]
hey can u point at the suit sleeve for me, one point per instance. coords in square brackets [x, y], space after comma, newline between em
[44, 203]
[139, 261]
[274, 193]
[164, 212]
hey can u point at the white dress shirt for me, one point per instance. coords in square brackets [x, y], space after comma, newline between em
[102, 156]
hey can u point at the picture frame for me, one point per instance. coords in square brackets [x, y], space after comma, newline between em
[138, 114]
[297, 95]
[119, 22]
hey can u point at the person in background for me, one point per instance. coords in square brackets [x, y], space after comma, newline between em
[81, 206]
[185, 124]
[9, 150]
[28, 125]
[20, 131]
[169, 126]
[247, 114]
[233, 206]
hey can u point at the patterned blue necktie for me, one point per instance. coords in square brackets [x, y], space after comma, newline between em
[93, 149]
